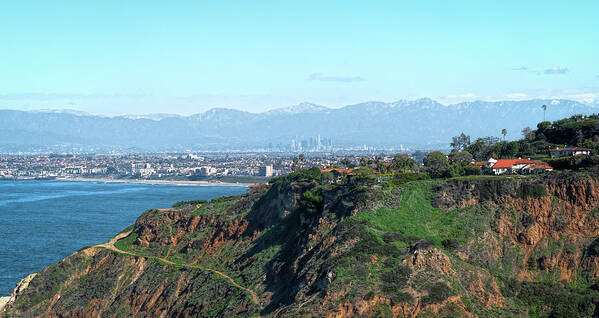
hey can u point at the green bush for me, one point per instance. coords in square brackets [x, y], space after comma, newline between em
[527, 190]
[527, 220]
[311, 201]
[450, 244]
[559, 301]
[573, 163]
[306, 175]
[593, 249]
[181, 204]
[395, 279]
[437, 292]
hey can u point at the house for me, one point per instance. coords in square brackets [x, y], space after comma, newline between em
[536, 168]
[506, 166]
[511, 166]
[569, 152]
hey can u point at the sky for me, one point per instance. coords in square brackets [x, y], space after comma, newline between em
[137, 57]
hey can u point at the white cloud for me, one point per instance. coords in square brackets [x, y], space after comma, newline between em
[334, 78]
[556, 70]
[517, 96]
[458, 98]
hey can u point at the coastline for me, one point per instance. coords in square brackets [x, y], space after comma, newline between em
[169, 182]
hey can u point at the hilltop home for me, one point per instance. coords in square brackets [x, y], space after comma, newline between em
[337, 173]
[536, 168]
[569, 152]
[506, 166]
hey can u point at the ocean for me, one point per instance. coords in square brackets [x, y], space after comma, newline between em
[46, 221]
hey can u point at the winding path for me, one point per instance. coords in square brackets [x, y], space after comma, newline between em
[110, 246]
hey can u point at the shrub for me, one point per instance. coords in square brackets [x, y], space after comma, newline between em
[573, 163]
[181, 204]
[527, 220]
[562, 302]
[389, 237]
[531, 263]
[395, 279]
[472, 171]
[450, 244]
[311, 201]
[437, 292]
[306, 175]
[531, 190]
[401, 178]
[593, 249]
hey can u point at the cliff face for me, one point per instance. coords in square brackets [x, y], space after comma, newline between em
[494, 246]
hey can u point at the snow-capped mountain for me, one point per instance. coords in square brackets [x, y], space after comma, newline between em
[299, 109]
[422, 123]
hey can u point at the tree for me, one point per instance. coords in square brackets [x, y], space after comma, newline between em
[544, 125]
[460, 157]
[544, 110]
[526, 132]
[346, 162]
[418, 155]
[507, 149]
[481, 148]
[363, 176]
[461, 142]
[403, 163]
[436, 163]
[504, 132]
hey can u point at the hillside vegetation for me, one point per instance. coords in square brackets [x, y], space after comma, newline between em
[301, 246]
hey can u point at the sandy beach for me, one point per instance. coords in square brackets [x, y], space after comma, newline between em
[171, 182]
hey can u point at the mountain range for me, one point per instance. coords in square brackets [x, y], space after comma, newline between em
[422, 123]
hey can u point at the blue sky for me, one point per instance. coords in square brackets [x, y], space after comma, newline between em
[116, 57]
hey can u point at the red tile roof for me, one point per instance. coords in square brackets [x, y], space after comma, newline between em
[541, 166]
[508, 163]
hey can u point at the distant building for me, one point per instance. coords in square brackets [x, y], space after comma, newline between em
[503, 166]
[536, 168]
[569, 152]
[207, 171]
[266, 171]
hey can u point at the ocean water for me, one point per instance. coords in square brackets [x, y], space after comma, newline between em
[43, 222]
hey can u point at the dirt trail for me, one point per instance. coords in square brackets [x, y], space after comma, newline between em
[110, 245]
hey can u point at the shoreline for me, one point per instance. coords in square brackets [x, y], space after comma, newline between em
[169, 182]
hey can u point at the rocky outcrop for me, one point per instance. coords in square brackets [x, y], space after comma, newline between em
[21, 286]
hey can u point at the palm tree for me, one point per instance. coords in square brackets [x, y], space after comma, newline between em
[544, 110]
[504, 132]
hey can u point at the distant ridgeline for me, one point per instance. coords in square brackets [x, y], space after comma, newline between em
[421, 123]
